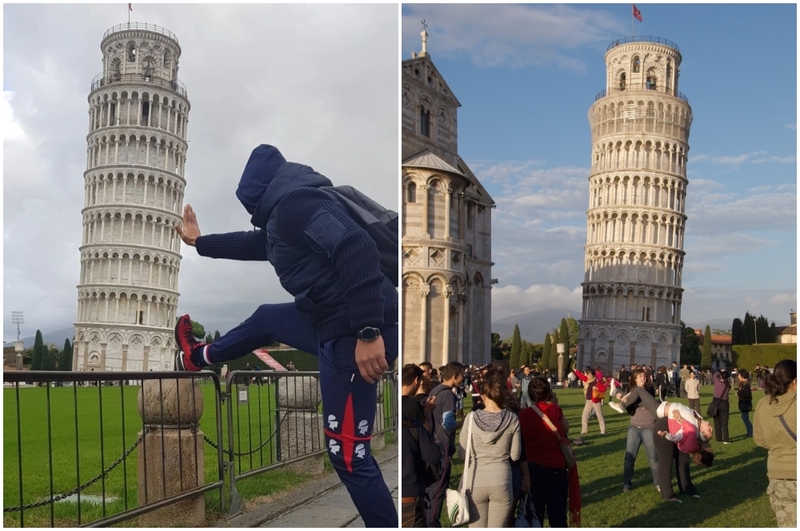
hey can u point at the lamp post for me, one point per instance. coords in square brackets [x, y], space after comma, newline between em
[755, 329]
[17, 318]
[560, 350]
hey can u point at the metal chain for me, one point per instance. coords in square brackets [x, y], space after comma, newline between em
[79, 488]
[243, 454]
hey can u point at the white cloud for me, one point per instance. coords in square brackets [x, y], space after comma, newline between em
[493, 35]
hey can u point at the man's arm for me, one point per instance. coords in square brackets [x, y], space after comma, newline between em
[250, 245]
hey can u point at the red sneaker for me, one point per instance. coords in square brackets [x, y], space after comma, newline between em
[186, 345]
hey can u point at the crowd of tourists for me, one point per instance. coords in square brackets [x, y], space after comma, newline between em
[518, 441]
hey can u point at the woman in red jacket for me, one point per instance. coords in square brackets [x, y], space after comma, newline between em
[594, 391]
[551, 483]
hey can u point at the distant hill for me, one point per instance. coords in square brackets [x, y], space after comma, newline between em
[533, 325]
[56, 338]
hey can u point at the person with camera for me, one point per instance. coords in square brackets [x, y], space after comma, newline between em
[721, 389]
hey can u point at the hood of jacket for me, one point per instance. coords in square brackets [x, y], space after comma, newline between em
[267, 177]
[783, 404]
[491, 425]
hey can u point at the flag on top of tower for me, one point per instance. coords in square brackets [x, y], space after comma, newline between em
[636, 13]
[130, 8]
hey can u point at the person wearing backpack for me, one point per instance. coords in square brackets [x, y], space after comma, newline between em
[345, 307]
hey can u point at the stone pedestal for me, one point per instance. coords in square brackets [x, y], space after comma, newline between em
[171, 460]
[301, 424]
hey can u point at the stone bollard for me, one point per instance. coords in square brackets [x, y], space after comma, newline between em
[301, 424]
[174, 454]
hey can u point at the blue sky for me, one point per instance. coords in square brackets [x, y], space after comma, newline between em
[526, 76]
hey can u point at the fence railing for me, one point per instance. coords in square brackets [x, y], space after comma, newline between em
[77, 443]
[643, 38]
[140, 26]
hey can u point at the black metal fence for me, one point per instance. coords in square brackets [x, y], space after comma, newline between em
[74, 452]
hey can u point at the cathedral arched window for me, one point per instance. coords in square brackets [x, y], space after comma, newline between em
[131, 52]
[622, 81]
[636, 63]
[412, 193]
[424, 122]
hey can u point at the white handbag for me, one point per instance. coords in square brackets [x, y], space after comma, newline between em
[457, 500]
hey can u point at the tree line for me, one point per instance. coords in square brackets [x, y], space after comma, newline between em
[544, 355]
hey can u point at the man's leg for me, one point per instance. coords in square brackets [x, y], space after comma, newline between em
[349, 404]
[598, 409]
[435, 494]
[585, 417]
[270, 322]
[664, 449]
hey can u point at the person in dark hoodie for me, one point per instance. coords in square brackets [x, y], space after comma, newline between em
[344, 309]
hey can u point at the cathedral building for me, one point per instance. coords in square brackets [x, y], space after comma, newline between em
[637, 202]
[446, 219]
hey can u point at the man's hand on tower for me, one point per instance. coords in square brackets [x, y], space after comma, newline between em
[371, 359]
[190, 230]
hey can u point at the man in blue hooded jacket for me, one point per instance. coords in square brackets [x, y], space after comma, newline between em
[345, 308]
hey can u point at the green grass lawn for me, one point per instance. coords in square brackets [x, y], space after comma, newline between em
[732, 491]
[112, 412]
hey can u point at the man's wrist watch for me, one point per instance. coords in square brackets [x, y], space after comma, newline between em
[368, 334]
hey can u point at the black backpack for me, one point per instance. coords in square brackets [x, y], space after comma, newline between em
[379, 222]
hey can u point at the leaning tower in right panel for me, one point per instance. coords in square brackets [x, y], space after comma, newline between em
[636, 218]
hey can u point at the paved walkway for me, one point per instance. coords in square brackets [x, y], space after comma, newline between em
[323, 503]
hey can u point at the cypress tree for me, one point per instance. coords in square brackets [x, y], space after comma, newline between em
[545, 359]
[773, 333]
[705, 362]
[748, 330]
[516, 350]
[736, 332]
[209, 338]
[65, 363]
[38, 352]
[216, 335]
[563, 334]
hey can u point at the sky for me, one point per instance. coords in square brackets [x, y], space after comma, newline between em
[526, 76]
[320, 82]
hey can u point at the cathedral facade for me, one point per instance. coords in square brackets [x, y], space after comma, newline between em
[446, 220]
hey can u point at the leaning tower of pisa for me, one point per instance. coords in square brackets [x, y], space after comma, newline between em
[134, 183]
[636, 218]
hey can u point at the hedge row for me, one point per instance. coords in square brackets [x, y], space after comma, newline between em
[769, 354]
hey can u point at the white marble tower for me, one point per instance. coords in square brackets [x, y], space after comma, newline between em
[134, 183]
[636, 218]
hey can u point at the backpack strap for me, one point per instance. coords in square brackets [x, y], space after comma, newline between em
[788, 429]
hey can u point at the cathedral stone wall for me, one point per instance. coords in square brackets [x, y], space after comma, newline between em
[446, 218]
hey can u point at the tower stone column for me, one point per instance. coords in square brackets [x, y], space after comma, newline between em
[134, 185]
[637, 196]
